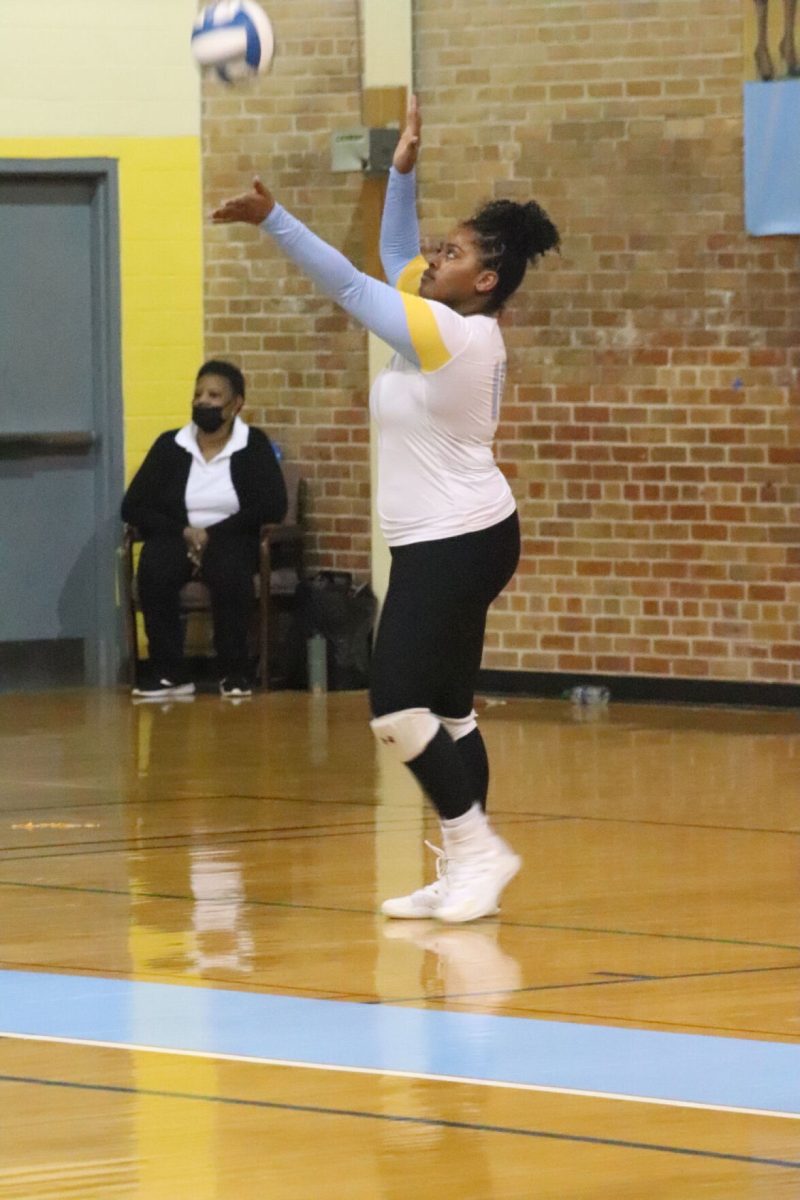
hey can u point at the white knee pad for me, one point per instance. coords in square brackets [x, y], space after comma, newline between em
[406, 733]
[459, 727]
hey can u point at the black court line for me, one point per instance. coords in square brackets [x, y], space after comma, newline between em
[508, 817]
[589, 983]
[40, 851]
[517, 818]
[625, 975]
[163, 841]
[192, 798]
[639, 933]
[600, 931]
[601, 820]
[235, 836]
[428, 1122]
[169, 841]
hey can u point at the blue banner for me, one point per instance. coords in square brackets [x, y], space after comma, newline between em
[772, 157]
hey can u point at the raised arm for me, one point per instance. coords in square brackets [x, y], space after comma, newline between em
[374, 304]
[425, 333]
[399, 241]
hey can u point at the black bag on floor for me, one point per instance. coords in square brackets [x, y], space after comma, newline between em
[343, 613]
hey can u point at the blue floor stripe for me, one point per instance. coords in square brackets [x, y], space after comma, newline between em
[682, 1068]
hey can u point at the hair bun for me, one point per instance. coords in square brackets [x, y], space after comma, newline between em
[527, 227]
[540, 232]
[511, 235]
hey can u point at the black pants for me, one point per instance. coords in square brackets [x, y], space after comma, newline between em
[229, 563]
[429, 645]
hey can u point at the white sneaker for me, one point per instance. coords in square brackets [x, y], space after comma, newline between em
[475, 879]
[426, 900]
[235, 687]
[161, 689]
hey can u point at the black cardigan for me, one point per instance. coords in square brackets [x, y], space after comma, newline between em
[155, 501]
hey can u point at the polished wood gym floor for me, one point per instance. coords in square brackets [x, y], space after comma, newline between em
[238, 853]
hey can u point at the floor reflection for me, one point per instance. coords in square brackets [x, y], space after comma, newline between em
[460, 962]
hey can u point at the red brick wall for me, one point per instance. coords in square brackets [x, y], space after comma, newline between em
[305, 362]
[651, 427]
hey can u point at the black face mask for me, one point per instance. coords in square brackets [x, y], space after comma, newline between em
[208, 417]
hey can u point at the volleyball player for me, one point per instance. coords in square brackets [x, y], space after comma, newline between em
[445, 508]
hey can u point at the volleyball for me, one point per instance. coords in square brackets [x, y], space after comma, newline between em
[234, 37]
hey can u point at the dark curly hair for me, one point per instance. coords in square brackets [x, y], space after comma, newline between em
[509, 235]
[218, 366]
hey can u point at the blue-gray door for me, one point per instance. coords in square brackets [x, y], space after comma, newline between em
[60, 423]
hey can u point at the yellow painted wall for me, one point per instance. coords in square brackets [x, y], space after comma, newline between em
[116, 80]
[161, 272]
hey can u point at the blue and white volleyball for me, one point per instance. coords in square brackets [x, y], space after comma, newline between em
[234, 37]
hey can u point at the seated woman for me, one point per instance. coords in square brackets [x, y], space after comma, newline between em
[199, 499]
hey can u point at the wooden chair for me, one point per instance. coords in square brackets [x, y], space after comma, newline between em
[280, 570]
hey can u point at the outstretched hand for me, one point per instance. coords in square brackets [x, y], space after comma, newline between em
[251, 207]
[406, 150]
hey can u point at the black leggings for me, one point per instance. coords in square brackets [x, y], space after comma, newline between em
[229, 563]
[430, 638]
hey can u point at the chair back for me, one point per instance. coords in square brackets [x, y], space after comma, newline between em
[294, 488]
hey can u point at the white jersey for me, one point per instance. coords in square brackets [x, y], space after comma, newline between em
[436, 471]
[436, 404]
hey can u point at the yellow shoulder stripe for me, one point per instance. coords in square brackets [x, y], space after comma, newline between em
[424, 332]
[409, 277]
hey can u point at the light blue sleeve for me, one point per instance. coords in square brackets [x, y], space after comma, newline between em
[399, 242]
[372, 303]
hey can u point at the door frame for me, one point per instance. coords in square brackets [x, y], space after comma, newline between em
[104, 652]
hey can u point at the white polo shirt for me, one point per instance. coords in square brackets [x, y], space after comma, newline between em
[210, 494]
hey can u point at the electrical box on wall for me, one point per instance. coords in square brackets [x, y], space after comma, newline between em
[361, 149]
